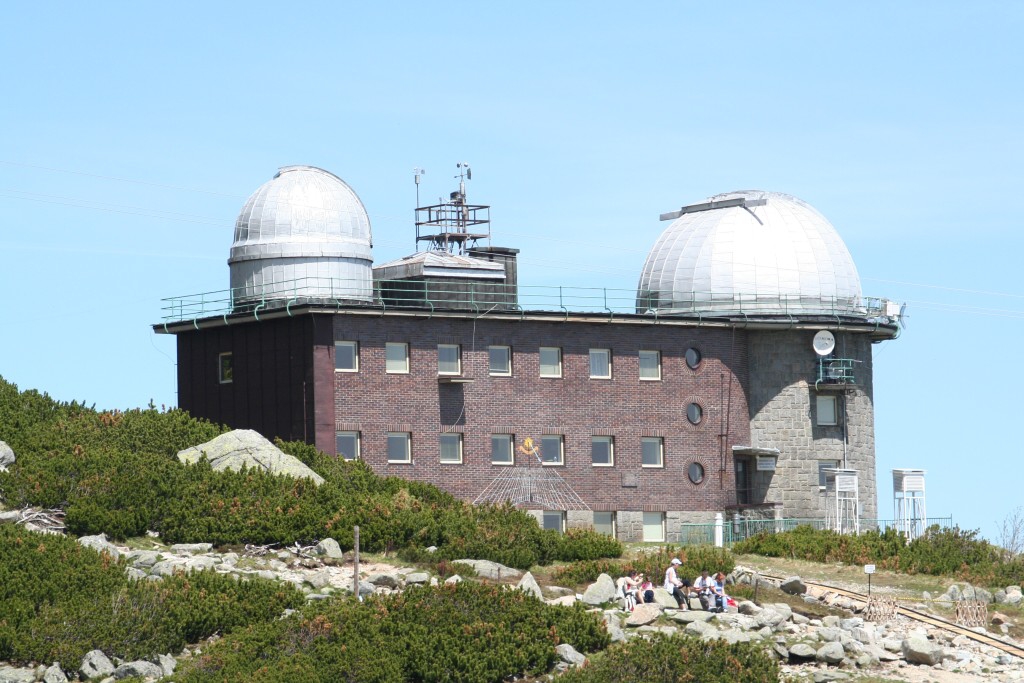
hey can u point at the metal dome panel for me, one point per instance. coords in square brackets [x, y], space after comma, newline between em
[772, 253]
[302, 235]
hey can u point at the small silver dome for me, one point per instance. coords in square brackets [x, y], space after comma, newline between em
[302, 235]
[771, 253]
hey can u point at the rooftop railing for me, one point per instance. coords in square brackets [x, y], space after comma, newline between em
[485, 297]
[738, 530]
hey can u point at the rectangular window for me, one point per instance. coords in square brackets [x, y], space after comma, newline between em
[449, 359]
[652, 451]
[550, 361]
[500, 360]
[347, 445]
[554, 520]
[602, 451]
[501, 449]
[654, 527]
[600, 364]
[397, 357]
[346, 356]
[650, 365]
[822, 466]
[551, 450]
[399, 447]
[451, 448]
[604, 523]
[225, 371]
[827, 410]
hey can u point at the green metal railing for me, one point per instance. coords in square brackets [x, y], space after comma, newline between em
[484, 297]
[836, 371]
[738, 530]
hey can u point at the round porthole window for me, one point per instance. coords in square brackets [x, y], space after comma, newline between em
[694, 413]
[693, 358]
[695, 472]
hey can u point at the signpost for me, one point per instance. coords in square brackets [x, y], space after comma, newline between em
[869, 569]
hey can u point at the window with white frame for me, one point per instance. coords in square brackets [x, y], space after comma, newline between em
[501, 449]
[225, 368]
[500, 360]
[550, 361]
[650, 365]
[604, 523]
[822, 466]
[554, 520]
[652, 451]
[347, 445]
[449, 359]
[552, 449]
[600, 364]
[602, 451]
[346, 356]
[828, 411]
[451, 448]
[396, 356]
[399, 447]
[654, 527]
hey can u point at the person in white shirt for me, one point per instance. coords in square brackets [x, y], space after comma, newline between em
[705, 587]
[679, 588]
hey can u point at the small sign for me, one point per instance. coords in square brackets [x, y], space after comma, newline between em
[766, 463]
[869, 569]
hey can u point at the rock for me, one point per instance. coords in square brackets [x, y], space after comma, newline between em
[665, 599]
[615, 632]
[167, 664]
[246, 447]
[998, 618]
[9, 516]
[749, 608]
[6, 456]
[143, 558]
[830, 652]
[769, 617]
[800, 620]
[54, 674]
[1014, 597]
[700, 628]
[830, 621]
[565, 601]
[135, 574]
[328, 547]
[454, 578]
[601, 591]
[917, 650]
[192, 548]
[641, 614]
[863, 635]
[491, 570]
[781, 651]
[802, 652]
[101, 545]
[568, 654]
[690, 616]
[826, 676]
[266, 575]
[999, 596]
[139, 669]
[850, 624]
[417, 578]
[829, 634]
[782, 608]
[199, 563]
[10, 674]
[733, 636]
[168, 567]
[319, 579]
[95, 665]
[529, 585]
[385, 580]
[793, 585]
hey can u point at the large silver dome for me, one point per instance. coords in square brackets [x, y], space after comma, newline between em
[304, 235]
[750, 252]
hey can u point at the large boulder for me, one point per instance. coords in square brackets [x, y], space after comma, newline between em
[101, 545]
[10, 674]
[245, 447]
[793, 585]
[568, 654]
[6, 456]
[491, 570]
[529, 585]
[329, 548]
[95, 664]
[643, 614]
[601, 591]
[917, 650]
[830, 653]
[138, 669]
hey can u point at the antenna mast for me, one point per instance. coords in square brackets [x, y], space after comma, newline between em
[453, 226]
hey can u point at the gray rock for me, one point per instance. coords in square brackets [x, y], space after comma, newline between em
[601, 591]
[917, 650]
[246, 447]
[417, 578]
[6, 456]
[564, 601]
[95, 665]
[386, 580]
[690, 616]
[665, 599]
[199, 563]
[167, 567]
[793, 585]
[1014, 597]
[267, 575]
[319, 579]
[54, 674]
[800, 620]
[167, 664]
[192, 548]
[641, 614]
[454, 578]
[999, 596]
[769, 617]
[568, 654]
[140, 669]
[328, 547]
[365, 588]
[700, 628]
[830, 621]
[135, 574]
[830, 634]
[529, 585]
[802, 652]
[611, 624]
[850, 624]
[101, 545]
[491, 570]
[828, 675]
[781, 651]
[143, 558]
[749, 608]
[9, 516]
[863, 635]
[10, 674]
[733, 636]
[782, 608]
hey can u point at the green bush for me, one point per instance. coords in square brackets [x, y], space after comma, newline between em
[464, 632]
[678, 658]
[59, 600]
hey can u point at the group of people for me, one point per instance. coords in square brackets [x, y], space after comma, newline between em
[709, 590]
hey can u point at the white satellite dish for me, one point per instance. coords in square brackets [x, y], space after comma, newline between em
[824, 343]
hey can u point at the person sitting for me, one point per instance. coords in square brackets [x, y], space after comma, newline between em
[646, 591]
[705, 587]
[676, 586]
[630, 587]
[721, 599]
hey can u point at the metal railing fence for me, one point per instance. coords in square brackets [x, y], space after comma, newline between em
[741, 529]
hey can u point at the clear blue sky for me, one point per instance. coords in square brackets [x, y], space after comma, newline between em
[132, 134]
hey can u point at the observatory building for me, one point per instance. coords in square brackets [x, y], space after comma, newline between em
[735, 379]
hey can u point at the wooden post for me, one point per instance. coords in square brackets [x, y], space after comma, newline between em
[355, 567]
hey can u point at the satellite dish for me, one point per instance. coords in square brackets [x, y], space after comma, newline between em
[824, 343]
